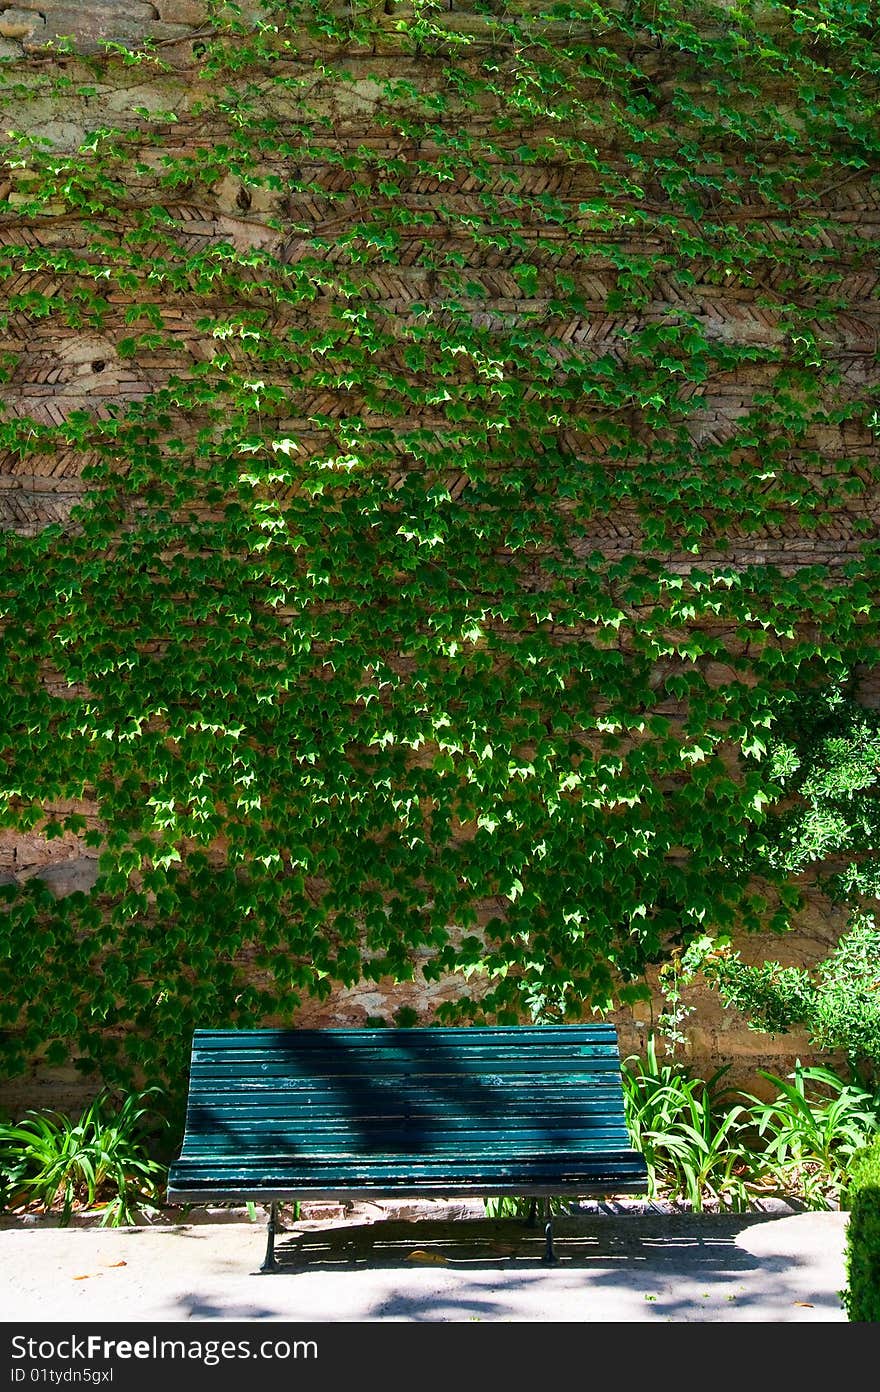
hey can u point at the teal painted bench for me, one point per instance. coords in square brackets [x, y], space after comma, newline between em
[283, 1115]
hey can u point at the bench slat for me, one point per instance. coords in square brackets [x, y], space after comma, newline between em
[204, 1116]
[242, 1091]
[553, 1070]
[394, 1139]
[518, 1036]
[406, 1164]
[547, 1175]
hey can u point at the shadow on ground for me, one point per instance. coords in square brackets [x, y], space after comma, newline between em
[496, 1244]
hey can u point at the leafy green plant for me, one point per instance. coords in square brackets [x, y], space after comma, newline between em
[824, 754]
[861, 1296]
[292, 1209]
[690, 1137]
[98, 1161]
[811, 1130]
[520, 1206]
[706, 1143]
[673, 975]
[838, 1000]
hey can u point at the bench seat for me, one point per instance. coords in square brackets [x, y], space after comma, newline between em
[276, 1115]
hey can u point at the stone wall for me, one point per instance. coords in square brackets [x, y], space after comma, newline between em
[31, 26]
[56, 375]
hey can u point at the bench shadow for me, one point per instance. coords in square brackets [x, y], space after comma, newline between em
[635, 1268]
[509, 1243]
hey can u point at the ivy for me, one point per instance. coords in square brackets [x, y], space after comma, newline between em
[406, 627]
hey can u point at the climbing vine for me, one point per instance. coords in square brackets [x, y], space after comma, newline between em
[415, 619]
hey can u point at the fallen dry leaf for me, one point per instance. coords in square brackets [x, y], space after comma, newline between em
[120, 1263]
[804, 1304]
[81, 1278]
[428, 1258]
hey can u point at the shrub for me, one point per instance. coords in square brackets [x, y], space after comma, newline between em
[861, 1297]
[838, 1001]
[690, 1139]
[711, 1145]
[101, 1159]
[809, 1133]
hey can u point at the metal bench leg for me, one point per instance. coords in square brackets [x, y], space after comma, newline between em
[270, 1264]
[549, 1254]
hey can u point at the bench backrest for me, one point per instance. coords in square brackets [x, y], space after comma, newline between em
[476, 1109]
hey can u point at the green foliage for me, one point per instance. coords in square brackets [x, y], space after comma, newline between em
[825, 757]
[812, 1129]
[837, 1001]
[712, 1145]
[100, 1160]
[690, 1138]
[329, 664]
[520, 1206]
[861, 1296]
[673, 976]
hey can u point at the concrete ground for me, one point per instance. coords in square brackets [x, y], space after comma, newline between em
[612, 1267]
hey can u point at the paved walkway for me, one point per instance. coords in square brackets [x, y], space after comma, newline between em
[611, 1268]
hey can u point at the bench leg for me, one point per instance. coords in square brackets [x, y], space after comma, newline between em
[549, 1254]
[270, 1264]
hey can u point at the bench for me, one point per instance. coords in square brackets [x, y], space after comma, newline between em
[288, 1115]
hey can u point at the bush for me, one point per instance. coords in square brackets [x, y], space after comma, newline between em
[809, 1133]
[687, 1132]
[101, 1159]
[838, 1001]
[713, 1146]
[861, 1297]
